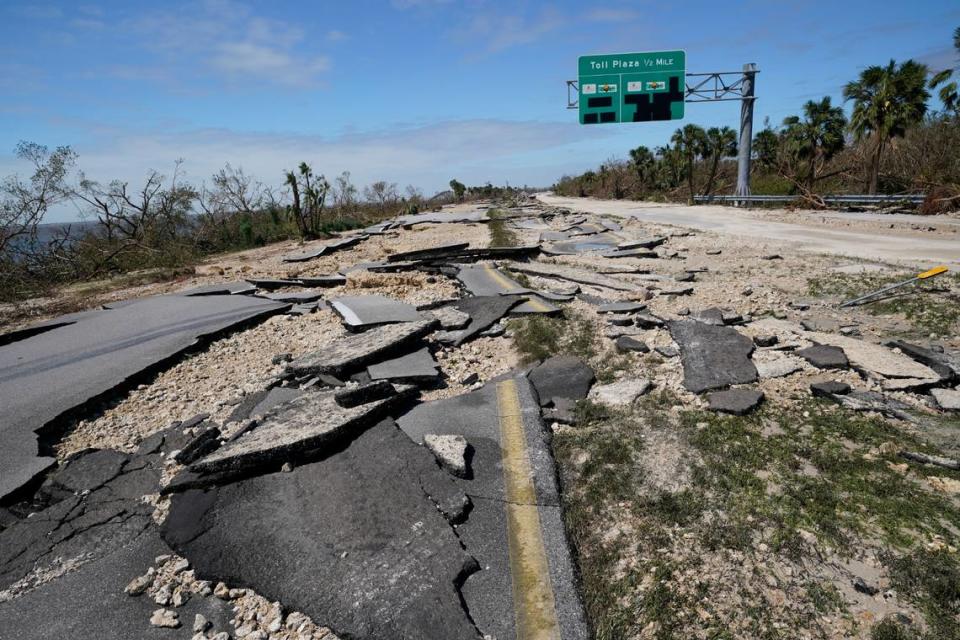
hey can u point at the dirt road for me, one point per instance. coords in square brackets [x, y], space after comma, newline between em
[869, 236]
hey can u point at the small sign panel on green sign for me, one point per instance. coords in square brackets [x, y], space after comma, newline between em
[632, 87]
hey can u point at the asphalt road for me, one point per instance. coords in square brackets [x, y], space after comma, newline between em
[888, 245]
[48, 374]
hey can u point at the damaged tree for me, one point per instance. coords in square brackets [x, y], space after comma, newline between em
[309, 199]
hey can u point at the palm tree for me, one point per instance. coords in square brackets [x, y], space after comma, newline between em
[949, 93]
[719, 143]
[669, 170]
[817, 137]
[690, 143]
[886, 100]
[765, 146]
[644, 163]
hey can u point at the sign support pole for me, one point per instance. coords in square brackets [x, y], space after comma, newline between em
[746, 132]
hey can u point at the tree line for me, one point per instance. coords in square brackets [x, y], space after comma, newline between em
[892, 142]
[166, 222]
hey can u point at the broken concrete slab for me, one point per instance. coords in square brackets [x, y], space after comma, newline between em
[908, 384]
[621, 393]
[484, 312]
[642, 243]
[825, 357]
[561, 377]
[629, 253]
[450, 318]
[425, 254]
[222, 289]
[362, 312]
[874, 358]
[364, 393]
[295, 296]
[738, 402]
[45, 376]
[947, 399]
[572, 274]
[873, 401]
[388, 567]
[775, 366]
[451, 452]
[298, 430]
[203, 443]
[418, 366]
[713, 357]
[333, 280]
[274, 397]
[648, 321]
[944, 365]
[324, 249]
[441, 217]
[829, 389]
[629, 343]
[272, 284]
[621, 307]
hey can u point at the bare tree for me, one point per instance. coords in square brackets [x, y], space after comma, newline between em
[381, 193]
[146, 218]
[24, 203]
[344, 194]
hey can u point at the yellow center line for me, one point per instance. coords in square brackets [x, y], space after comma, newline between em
[533, 604]
[508, 284]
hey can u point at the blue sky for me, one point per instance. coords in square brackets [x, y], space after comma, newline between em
[411, 91]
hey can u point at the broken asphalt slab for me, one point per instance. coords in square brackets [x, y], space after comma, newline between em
[324, 249]
[298, 430]
[501, 423]
[713, 357]
[361, 312]
[486, 280]
[561, 377]
[418, 366]
[353, 352]
[386, 568]
[484, 312]
[45, 376]
[572, 274]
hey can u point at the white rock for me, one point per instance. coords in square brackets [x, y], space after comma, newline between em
[947, 398]
[139, 584]
[621, 393]
[777, 367]
[450, 451]
[165, 618]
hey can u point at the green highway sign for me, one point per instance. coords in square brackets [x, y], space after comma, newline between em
[632, 87]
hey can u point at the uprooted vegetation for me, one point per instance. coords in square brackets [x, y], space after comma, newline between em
[697, 525]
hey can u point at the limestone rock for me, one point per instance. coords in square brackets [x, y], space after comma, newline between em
[620, 393]
[450, 451]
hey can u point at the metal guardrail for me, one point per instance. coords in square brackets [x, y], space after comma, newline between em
[916, 198]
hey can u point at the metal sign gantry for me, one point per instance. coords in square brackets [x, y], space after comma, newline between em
[720, 86]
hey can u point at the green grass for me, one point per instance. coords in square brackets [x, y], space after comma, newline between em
[931, 580]
[538, 337]
[767, 477]
[923, 305]
[501, 235]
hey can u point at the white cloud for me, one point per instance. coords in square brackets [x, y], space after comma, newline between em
[426, 155]
[227, 37]
[497, 32]
[611, 15]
